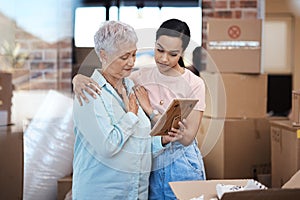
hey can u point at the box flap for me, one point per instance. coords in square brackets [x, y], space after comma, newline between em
[286, 124]
[294, 182]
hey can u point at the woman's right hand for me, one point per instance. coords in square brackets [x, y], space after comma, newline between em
[132, 105]
[143, 98]
[83, 83]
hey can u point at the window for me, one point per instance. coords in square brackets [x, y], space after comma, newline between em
[277, 51]
[87, 22]
[88, 19]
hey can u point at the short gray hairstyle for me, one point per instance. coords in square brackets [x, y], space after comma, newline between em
[111, 35]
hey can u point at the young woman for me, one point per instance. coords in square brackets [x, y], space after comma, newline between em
[155, 88]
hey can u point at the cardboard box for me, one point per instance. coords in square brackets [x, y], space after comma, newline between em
[64, 185]
[11, 165]
[285, 151]
[235, 148]
[191, 189]
[6, 89]
[296, 108]
[186, 190]
[234, 45]
[274, 194]
[235, 95]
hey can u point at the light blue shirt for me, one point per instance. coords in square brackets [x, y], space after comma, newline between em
[112, 150]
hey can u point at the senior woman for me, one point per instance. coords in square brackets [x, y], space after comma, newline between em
[112, 151]
[181, 160]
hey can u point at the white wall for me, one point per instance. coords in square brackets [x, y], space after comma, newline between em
[25, 105]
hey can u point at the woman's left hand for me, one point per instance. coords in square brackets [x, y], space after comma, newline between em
[83, 83]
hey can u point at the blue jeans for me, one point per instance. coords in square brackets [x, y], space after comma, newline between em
[175, 163]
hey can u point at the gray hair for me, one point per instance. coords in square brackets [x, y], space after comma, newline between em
[111, 35]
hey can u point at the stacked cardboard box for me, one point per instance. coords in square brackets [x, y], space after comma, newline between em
[6, 89]
[233, 95]
[11, 165]
[240, 149]
[285, 151]
[234, 45]
[234, 136]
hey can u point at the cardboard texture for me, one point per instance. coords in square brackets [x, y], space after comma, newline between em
[11, 165]
[296, 108]
[235, 95]
[285, 151]
[6, 89]
[240, 148]
[64, 185]
[234, 45]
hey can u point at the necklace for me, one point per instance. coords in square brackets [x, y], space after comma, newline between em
[161, 101]
[121, 90]
[179, 72]
[159, 85]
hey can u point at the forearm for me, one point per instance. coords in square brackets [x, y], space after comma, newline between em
[193, 122]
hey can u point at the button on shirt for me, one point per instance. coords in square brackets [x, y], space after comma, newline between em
[112, 150]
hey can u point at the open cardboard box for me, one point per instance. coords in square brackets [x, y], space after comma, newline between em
[185, 190]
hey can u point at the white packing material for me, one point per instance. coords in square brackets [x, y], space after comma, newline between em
[251, 185]
[48, 147]
[198, 198]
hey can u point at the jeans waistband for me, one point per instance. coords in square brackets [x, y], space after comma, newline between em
[174, 151]
[177, 145]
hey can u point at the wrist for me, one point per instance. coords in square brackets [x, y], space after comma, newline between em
[164, 142]
[153, 113]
